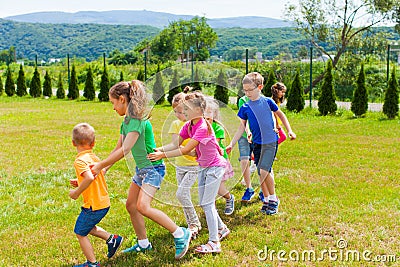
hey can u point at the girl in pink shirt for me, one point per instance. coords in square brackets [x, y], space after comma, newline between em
[211, 165]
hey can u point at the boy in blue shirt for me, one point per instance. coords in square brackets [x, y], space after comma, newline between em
[258, 111]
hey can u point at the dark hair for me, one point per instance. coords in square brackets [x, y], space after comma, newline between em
[274, 90]
[135, 94]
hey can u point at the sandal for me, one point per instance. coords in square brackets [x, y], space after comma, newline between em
[208, 248]
[224, 232]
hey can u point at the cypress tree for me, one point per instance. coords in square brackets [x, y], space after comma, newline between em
[268, 84]
[73, 90]
[10, 86]
[391, 103]
[47, 88]
[88, 91]
[1, 86]
[140, 75]
[158, 89]
[35, 89]
[359, 105]
[196, 82]
[295, 101]
[21, 83]
[60, 88]
[221, 91]
[104, 86]
[326, 102]
[121, 76]
[174, 87]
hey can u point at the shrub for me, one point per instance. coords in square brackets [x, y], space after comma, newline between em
[60, 89]
[391, 104]
[221, 91]
[359, 105]
[174, 87]
[47, 90]
[10, 86]
[295, 100]
[35, 89]
[104, 86]
[73, 90]
[326, 102]
[88, 91]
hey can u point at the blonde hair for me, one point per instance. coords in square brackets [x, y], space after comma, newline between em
[83, 134]
[254, 78]
[197, 99]
[212, 109]
[275, 89]
[135, 94]
[178, 99]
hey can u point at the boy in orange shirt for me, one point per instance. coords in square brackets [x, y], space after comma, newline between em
[96, 201]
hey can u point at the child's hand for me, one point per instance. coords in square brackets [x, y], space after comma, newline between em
[95, 170]
[192, 153]
[228, 149]
[249, 138]
[73, 182]
[292, 135]
[73, 194]
[156, 156]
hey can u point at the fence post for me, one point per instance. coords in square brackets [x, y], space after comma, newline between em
[311, 56]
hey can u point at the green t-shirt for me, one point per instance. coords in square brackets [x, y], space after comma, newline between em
[243, 100]
[219, 134]
[145, 142]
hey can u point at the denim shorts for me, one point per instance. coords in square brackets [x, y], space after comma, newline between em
[88, 219]
[264, 156]
[244, 148]
[152, 175]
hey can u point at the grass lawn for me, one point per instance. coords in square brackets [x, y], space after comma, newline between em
[338, 184]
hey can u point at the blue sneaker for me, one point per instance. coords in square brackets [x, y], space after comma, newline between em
[136, 248]
[248, 194]
[114, 244]
[88, 264]
[261, 196]
[270, 207]
[182, 244]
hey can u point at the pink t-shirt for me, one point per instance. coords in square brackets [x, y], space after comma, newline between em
[208, 151]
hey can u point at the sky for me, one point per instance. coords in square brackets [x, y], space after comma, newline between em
[207, 8]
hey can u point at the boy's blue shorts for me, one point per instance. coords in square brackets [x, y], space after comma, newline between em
[264, 156]
[88, 219]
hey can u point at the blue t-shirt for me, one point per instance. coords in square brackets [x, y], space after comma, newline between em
[259, 116]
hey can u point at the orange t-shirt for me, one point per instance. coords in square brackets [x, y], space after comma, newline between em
[96, 195]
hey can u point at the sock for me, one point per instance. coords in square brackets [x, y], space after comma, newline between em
[265, 199]
[144, 243]
[273, 197]
[178, 233]
[251, 189]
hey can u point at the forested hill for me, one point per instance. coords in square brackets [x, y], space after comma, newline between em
[91, 40]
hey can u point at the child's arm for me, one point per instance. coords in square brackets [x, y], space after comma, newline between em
[87, 180]
[174, 153]
[238, 134]
[286, 123]
[118, 153]
[175, 143]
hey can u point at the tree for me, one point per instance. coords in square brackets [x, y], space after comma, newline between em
[10, 86]
[47, 88]
[1, 86]
[174, 87]
[336, 24]
[359, 105]
[221, 91]
[391, 103]
[21, 83]
[73, 90]
[104, 87]
[88, 91]
[60, 89]
[35, 88]
[121, 76]
[295, 101]
[158, 89]
[268, 84]
[140, 75]
[326, 102]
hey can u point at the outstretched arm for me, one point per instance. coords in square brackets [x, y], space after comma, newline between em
[174, 153]
[236, 137]
[286, 123]
[175, 142]
[87, 180]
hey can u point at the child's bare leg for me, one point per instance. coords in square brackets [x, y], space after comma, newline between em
[136, 217]
[244, 165]
[143, 205]
[222, 191]
[86, 247]
[265, 183]
[100, 233]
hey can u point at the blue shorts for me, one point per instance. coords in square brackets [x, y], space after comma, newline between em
[88, 219]
[152, 175]
[264, 156]
[244, 148]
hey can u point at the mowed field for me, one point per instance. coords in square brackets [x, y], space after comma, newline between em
[338, 184]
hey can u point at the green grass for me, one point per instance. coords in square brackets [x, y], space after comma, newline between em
[339, 179]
